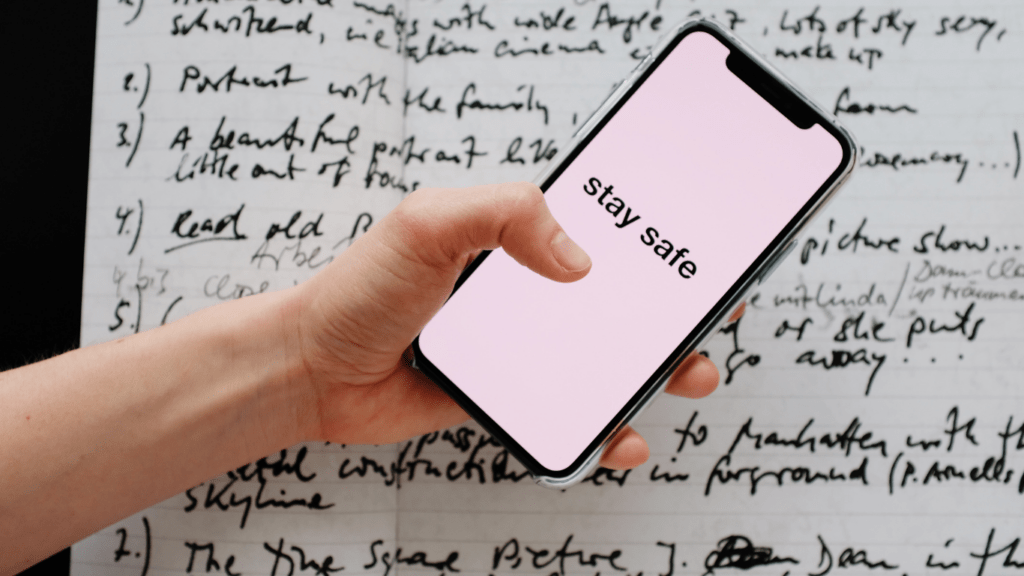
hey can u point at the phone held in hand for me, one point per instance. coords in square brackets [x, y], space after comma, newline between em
[686, 188]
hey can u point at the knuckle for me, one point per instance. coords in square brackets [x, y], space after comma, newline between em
[427, 228]
[413, 213]
[419, 199]
[522, 197]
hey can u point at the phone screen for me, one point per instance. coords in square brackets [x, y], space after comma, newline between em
[677, 195]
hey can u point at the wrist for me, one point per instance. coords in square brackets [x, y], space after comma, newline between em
[280, 407]
[122, 425]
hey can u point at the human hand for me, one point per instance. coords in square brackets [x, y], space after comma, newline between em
[359, 316]
[119, 426]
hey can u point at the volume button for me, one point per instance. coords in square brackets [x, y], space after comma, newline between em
[643, 61]
[599, 106]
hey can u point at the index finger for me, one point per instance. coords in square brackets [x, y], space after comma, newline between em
[696, 377]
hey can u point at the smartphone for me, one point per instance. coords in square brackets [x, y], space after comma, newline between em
[686, 188]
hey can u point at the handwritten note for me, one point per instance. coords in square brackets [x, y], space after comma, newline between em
[871, 413]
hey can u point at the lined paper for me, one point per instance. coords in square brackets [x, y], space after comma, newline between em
[870, 417]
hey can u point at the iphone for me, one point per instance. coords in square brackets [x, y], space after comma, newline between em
[686, 188]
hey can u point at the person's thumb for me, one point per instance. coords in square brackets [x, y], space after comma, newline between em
[444, 227]
[372, 301]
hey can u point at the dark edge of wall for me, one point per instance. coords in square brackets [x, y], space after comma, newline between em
[49, 60]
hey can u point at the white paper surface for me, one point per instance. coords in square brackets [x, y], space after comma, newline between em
[871, 413]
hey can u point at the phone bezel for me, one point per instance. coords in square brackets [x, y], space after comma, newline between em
[795, 103]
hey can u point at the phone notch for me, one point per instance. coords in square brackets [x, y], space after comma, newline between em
[769, 88]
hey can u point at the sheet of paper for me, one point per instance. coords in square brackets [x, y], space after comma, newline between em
[870, 417]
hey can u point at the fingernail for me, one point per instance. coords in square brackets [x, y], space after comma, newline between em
[569, 254]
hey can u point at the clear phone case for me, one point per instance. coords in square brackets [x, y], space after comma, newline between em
[761, 274]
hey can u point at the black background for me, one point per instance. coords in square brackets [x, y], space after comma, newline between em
[48, 69]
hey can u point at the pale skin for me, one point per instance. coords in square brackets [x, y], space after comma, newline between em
[96, 434]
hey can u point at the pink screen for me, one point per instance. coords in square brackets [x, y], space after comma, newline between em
[695, 157]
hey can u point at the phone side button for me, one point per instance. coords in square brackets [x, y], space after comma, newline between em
[589, 118]
[775, 263]
[599, 106]
[643, 61]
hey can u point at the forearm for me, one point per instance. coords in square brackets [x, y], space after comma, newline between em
[96, 434]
